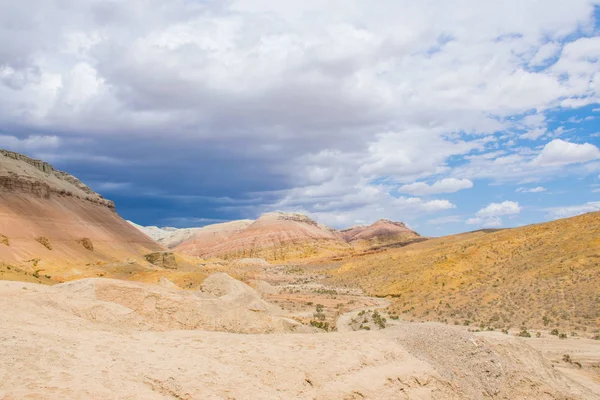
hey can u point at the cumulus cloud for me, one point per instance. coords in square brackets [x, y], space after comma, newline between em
[499, 209]
[310, 104]
[487, 222]
[559, 152]
[447, 185]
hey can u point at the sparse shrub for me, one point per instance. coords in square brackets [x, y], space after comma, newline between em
[4, 240]
[524, 333]
[546, 320]
[320, 308]
[319, 316]
[310, 303]
[364, 327]
[394, 317]
[597, 337]
[467, 322]
[320, 325]
[379, 320]
[567, 358]
[44, 241]
[562, 335]
[505, 331]
[86, 243]
[539, 334]
[554, 332]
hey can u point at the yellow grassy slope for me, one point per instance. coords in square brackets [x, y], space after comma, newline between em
[545, 275]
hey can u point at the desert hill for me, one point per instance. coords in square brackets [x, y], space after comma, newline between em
[544, 275]
[167, 236]
[381, 232]
[273, 236]
[196, 240]
[279, 236]
[49, 218]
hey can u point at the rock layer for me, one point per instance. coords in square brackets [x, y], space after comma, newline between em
[274, 236]
[48, 217]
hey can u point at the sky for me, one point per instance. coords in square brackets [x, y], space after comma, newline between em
[449, 116]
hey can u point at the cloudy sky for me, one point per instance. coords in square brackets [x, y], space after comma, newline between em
[448, 115]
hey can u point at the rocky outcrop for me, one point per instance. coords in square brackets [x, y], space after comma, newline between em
[164, 259]
[52, 217]
[19, 173]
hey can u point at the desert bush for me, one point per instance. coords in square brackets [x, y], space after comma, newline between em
[319, 316]
[379, 320]
[86, 243]
[562, 335]
[320, 325]
[44, 241]
[554, 332]
[524, 333]
[4, 240]
[320, 308]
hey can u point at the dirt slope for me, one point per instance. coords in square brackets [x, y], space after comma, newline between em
[87, 355]
[49, 218]
[274, 236]
[545, 275]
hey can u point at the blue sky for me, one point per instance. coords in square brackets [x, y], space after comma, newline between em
[450, 117]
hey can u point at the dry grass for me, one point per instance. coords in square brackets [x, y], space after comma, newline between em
[545, 275]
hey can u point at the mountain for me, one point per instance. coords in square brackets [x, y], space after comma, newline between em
[544, 275]
[168, 237]
[209, 236]
[278, 236]
[273, 236]
[50, 218]
[381, 232]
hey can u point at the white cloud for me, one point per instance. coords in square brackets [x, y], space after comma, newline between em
[445, 220]
[487, 222]
[559, 152]
[538, 189]
[29, 144]
[545, 52]
[321, 98]
[498, 209]
[571, 211]
[448, 185]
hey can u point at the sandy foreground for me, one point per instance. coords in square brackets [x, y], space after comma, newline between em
[74, 341]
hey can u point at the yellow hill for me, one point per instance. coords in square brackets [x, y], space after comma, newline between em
[545, 275]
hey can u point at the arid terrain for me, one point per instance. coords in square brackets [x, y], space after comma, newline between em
[283, 307]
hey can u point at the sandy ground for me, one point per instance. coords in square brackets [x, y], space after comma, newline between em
[49, 350]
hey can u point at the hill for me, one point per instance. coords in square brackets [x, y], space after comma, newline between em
[50, 219]
[381, 232]
[545, 275]
[274, 236]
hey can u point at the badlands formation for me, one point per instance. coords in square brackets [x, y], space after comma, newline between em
[92, 308]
